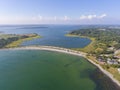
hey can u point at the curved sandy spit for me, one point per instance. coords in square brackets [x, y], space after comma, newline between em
[68, 51]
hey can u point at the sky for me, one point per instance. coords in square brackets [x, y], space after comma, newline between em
[59, 12]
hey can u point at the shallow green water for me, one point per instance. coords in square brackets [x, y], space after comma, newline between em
[44, 70]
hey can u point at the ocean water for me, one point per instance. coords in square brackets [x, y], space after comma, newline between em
[53, 35]
[45, 70]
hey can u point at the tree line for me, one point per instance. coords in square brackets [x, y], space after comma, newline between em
[107, 37]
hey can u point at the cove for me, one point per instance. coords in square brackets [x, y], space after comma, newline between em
[47, 70]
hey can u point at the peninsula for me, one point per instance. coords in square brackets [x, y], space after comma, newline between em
[104, 48]
[14, 40]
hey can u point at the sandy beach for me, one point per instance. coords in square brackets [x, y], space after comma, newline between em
[68, 51]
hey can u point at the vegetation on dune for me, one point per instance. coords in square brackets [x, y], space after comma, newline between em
[15, 40]
[18, 42]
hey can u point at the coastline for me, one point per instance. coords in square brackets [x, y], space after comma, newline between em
[67, 51]
[88, 48]
[18, 42]
[91, 48]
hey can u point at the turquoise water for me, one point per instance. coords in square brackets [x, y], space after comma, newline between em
[44, 70]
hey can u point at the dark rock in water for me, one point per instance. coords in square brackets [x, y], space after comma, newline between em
[103, 81]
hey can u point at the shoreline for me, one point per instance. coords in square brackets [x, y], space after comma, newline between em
[67, 51]
[87, 48]
[20, 41]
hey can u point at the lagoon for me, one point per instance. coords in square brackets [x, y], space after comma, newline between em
[52, 35]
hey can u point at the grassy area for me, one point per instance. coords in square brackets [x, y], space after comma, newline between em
[18, 42]
[70, 35]
[5, 36]
[113, 71]
[91, 47]
[92, 58]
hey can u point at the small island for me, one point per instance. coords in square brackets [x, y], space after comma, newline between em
[14, 40]
[104, 48]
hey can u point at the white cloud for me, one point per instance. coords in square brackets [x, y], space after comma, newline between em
[90, 17]
[52, 19]
[66, 18]
[83, 17]
[40, 17]
[55, 18]
[103, 15]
